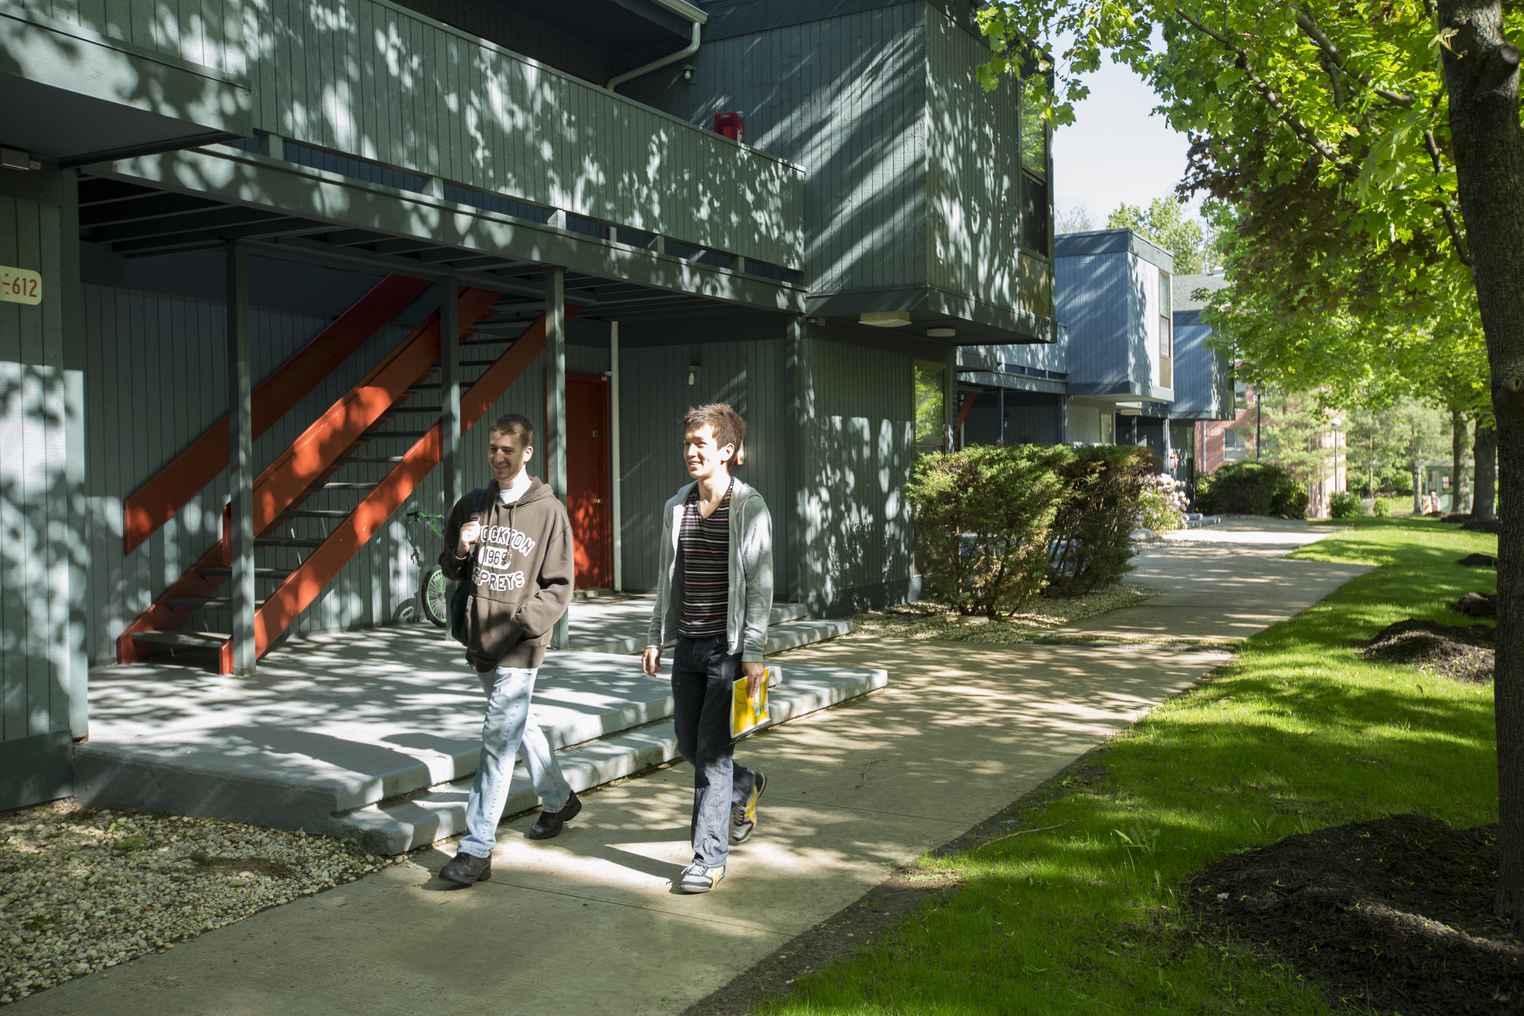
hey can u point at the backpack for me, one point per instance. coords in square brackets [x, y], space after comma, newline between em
[460, 598]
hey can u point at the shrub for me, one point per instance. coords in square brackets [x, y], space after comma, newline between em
[982, 518]
[1162, 503]
[1253, 488]
[1092, 530]
[1381, 508]
[1344, 506]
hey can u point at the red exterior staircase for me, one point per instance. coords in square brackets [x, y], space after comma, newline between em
[337, 438]
[152, 504]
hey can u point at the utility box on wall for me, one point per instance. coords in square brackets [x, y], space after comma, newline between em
[731, 123]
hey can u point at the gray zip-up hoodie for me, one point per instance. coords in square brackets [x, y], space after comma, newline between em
[750, 599]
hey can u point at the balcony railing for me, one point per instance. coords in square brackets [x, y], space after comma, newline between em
[388, 85]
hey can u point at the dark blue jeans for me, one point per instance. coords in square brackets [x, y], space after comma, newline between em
[702, 676]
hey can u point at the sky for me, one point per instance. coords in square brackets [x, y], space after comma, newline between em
[1116, 151]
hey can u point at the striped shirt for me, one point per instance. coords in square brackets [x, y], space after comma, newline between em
[703, 546]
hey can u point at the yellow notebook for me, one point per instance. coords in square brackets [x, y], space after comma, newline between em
[748, 714]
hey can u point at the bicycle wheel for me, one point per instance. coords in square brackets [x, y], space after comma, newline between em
[434, 594]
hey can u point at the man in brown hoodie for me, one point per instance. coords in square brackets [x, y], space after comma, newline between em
[512, 543]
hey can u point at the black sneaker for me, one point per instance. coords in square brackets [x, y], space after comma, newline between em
[467, 869]
[549, 823]
[743, 817]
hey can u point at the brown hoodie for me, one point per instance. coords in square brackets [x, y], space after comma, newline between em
[522, 575]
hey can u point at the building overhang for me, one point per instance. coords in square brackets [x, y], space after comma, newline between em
[1010, 382]
[973, 322]
[1120, 391]
[72, 96]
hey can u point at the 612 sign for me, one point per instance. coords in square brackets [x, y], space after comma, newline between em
[18, 285]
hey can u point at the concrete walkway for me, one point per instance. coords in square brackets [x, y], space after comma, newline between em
[588, 923]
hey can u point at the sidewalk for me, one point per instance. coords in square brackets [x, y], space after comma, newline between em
[588, 923]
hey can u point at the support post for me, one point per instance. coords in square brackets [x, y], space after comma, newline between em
[555, 405]
[240, 459]
[617, 480]
[449, 390]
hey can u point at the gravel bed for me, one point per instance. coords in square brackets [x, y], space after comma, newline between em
[926, 620]
[86, 889]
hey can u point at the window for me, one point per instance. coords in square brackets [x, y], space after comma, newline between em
[1166, 335]
[1034, 214]
[1235, 447]
[930, 406]
[1108, 428]
[1240, 395]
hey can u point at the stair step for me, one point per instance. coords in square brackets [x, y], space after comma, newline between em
[402, 824]
[259, 573]
[207, 603]
[477, 363]
[436, 410]
[341, 485]
[315, 513]
[199, 639]
[287, 541]
[413, 434]
[369, 458]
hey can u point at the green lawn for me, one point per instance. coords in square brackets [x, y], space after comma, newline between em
[1297, 734]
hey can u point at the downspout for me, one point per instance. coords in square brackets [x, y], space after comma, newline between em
[688, 50]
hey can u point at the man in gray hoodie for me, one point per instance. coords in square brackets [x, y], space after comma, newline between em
[513, 545]
[714, 593]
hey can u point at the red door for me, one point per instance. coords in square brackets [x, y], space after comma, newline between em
[588, 488]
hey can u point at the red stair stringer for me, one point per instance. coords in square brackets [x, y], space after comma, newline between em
[304, 585]
[188, 473]
[308, 460]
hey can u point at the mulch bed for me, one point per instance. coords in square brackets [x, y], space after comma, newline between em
[1476, 605]
[1459, 652]
[1478, 561]
[1394, 914]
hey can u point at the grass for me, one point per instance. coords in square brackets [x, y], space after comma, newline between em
[1297, 734]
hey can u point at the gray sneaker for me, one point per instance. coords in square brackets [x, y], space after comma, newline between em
[700, 878]
[743, 817]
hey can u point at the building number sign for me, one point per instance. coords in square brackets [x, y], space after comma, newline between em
[18, 285]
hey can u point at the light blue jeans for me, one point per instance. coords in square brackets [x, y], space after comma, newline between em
[507, 732]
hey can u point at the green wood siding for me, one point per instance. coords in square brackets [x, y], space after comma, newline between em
[973, 175]
[379, 81]
[41, 686]
[845, 97]
[857, 440]
[206, 32]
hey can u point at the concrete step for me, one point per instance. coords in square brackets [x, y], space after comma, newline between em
[344, 722]
[621, 627]
[406, 823]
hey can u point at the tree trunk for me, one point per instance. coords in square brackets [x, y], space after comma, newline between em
[1457, 457]
[1486, 454]
[1482, 80]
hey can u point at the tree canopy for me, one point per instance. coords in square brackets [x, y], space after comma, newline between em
[1164, 223]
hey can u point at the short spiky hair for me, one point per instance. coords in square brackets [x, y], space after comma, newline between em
[729, 428]
[508, 423]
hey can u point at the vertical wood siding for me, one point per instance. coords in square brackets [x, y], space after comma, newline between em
[376, 80]
[1099, 304]
[858, 440]
[34, 496]
[156, 379]
[846, 98]
[653, 396]
[973, 173]
[207, 32]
